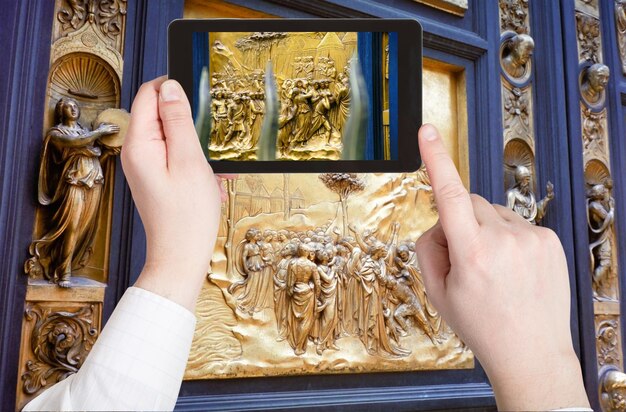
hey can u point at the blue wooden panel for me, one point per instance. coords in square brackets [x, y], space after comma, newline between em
[25, 42]
[393, 94]
[552, 145]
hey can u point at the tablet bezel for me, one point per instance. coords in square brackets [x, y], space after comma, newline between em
[180, 58]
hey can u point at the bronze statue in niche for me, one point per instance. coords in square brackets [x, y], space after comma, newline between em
[593, 82]
[516, 56]
[521, 199]
[70, 186]
[600, 218]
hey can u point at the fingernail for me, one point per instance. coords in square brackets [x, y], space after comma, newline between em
[170, 91]
[430, 134]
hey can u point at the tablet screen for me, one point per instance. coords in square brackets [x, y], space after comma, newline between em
[296, 95]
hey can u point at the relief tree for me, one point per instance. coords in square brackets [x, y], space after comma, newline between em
[343, 184]
[230, 222]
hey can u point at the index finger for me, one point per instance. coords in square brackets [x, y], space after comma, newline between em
[144, 113]
[456, 212]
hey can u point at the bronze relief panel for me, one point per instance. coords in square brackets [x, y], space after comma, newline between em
[317, 273]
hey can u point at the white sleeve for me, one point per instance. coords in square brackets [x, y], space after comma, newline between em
[137, 363]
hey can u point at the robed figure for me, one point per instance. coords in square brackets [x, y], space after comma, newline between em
[70, 184]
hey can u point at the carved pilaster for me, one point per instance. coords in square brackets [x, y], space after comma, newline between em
[603, 240]
[84, 86]
[516, 48]
[620, 26]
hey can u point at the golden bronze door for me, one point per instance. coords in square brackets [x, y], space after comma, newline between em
[529, 97]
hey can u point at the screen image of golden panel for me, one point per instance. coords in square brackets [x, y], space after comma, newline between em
[294, 89]
[316, 273]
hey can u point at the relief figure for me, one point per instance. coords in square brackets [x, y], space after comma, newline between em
[257, 110]
[521, 199]
[219, 114]
[408, 272]
[303, 289]
[600, 218]
[327, 307]
[254, 292]
[595, 79]
[239, 132]
[70, 184]
[372, 321]
[520, 49]
[280, 289]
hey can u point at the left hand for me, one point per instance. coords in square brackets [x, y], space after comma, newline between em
[175, 191]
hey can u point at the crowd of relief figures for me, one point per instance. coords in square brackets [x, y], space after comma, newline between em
[323, 287]
[317, 289]
[312, 86]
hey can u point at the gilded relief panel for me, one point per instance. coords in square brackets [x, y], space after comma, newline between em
[311, 72]
[317, 273]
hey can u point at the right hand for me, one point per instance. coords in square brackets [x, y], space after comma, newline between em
[502, 285]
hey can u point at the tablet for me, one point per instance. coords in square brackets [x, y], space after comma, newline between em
[302, 95]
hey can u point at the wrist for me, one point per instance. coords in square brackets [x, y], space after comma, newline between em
[544, 383]
[177, 284]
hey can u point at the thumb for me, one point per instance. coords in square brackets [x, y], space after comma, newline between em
[181, 139]
[432, 254]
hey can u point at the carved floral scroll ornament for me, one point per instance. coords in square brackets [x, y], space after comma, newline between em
[107, 14]
[513, 15]
[516, 114]
[606, 340]
[60, 342]
[588, 29]
[593, 132]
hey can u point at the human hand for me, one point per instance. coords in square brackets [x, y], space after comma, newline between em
[175, 191]
[502, 285]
